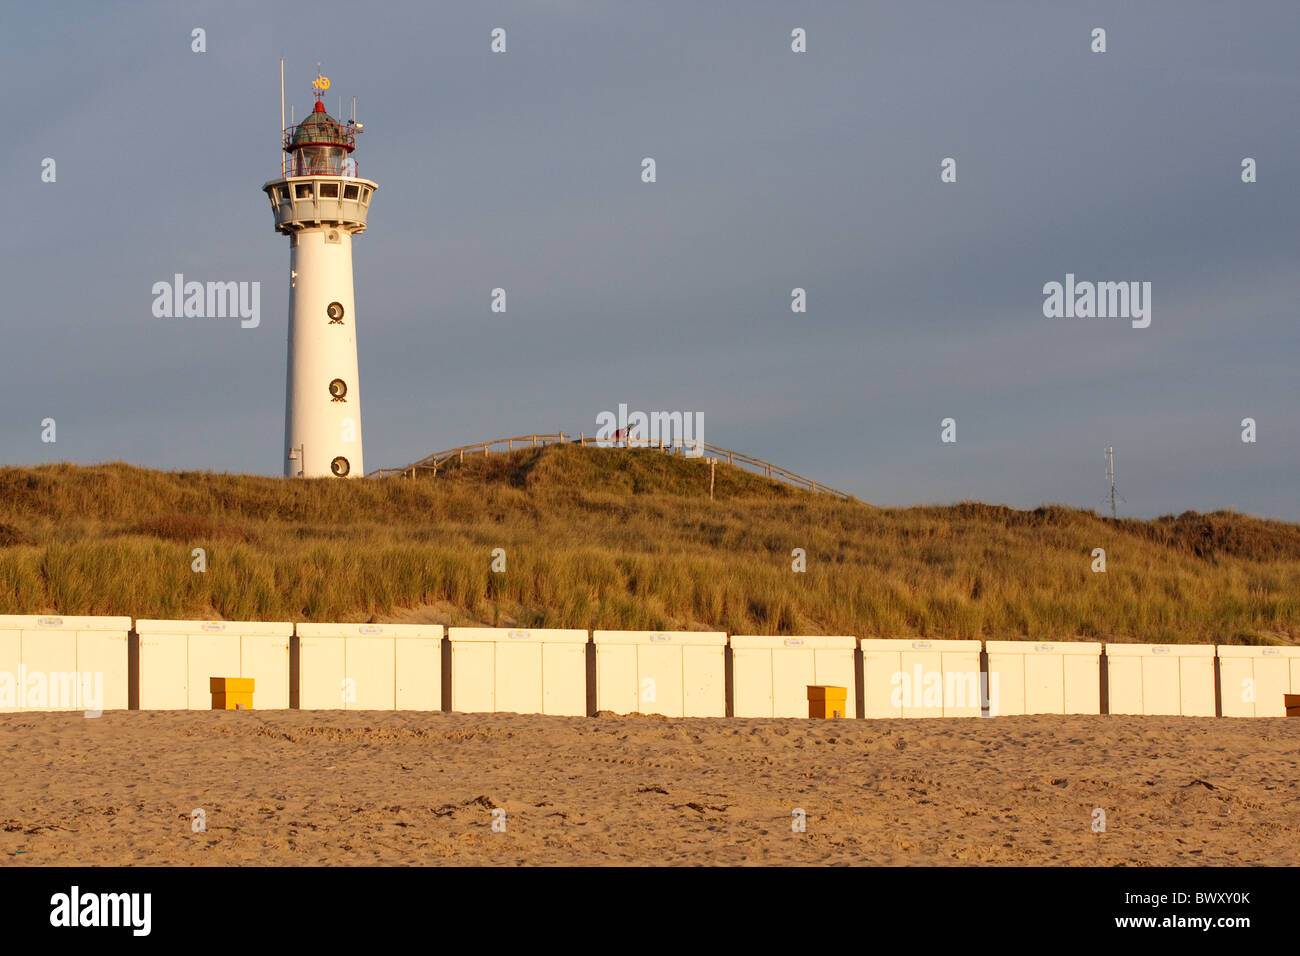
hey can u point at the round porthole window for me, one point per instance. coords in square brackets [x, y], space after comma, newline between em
[335, 311]
[340, 467]
[339, 389]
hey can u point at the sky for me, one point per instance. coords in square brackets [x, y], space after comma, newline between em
[775, 170]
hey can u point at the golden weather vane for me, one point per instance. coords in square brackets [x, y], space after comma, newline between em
[321, 83]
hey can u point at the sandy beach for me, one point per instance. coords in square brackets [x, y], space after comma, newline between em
[332, 788]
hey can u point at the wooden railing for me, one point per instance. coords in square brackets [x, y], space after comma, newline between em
[431, 462]
[692, 449]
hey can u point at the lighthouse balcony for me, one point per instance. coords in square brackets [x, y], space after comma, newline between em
[304, 202]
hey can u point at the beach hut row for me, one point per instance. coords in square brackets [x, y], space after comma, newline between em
[109, 663]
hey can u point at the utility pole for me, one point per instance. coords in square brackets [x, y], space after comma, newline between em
[1110, 473]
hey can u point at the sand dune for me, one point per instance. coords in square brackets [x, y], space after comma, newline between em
[289, 787]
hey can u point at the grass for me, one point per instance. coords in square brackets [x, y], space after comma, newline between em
[613, 538]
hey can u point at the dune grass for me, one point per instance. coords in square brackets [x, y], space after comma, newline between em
[613, 538]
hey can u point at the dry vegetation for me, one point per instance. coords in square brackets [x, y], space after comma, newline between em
[628, 539]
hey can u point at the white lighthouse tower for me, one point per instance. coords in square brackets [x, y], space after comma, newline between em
[320, 204]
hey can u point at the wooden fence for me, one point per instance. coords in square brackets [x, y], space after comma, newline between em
[695, 449]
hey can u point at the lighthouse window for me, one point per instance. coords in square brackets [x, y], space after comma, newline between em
[350, 192]
[322, 160]
[365, 197]
[302, 191]
[339, 390]
[340, 467]
[329, 190]
[283, 193]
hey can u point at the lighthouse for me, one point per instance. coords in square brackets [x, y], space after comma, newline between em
[320, 203]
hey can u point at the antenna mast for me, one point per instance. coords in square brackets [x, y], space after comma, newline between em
[282, 156]
[1110, 473]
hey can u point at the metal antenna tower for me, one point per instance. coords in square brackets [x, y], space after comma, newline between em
[1110, 474]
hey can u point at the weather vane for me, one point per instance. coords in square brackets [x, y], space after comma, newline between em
[321, 83]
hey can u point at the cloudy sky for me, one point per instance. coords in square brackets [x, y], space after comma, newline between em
[775, 170]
